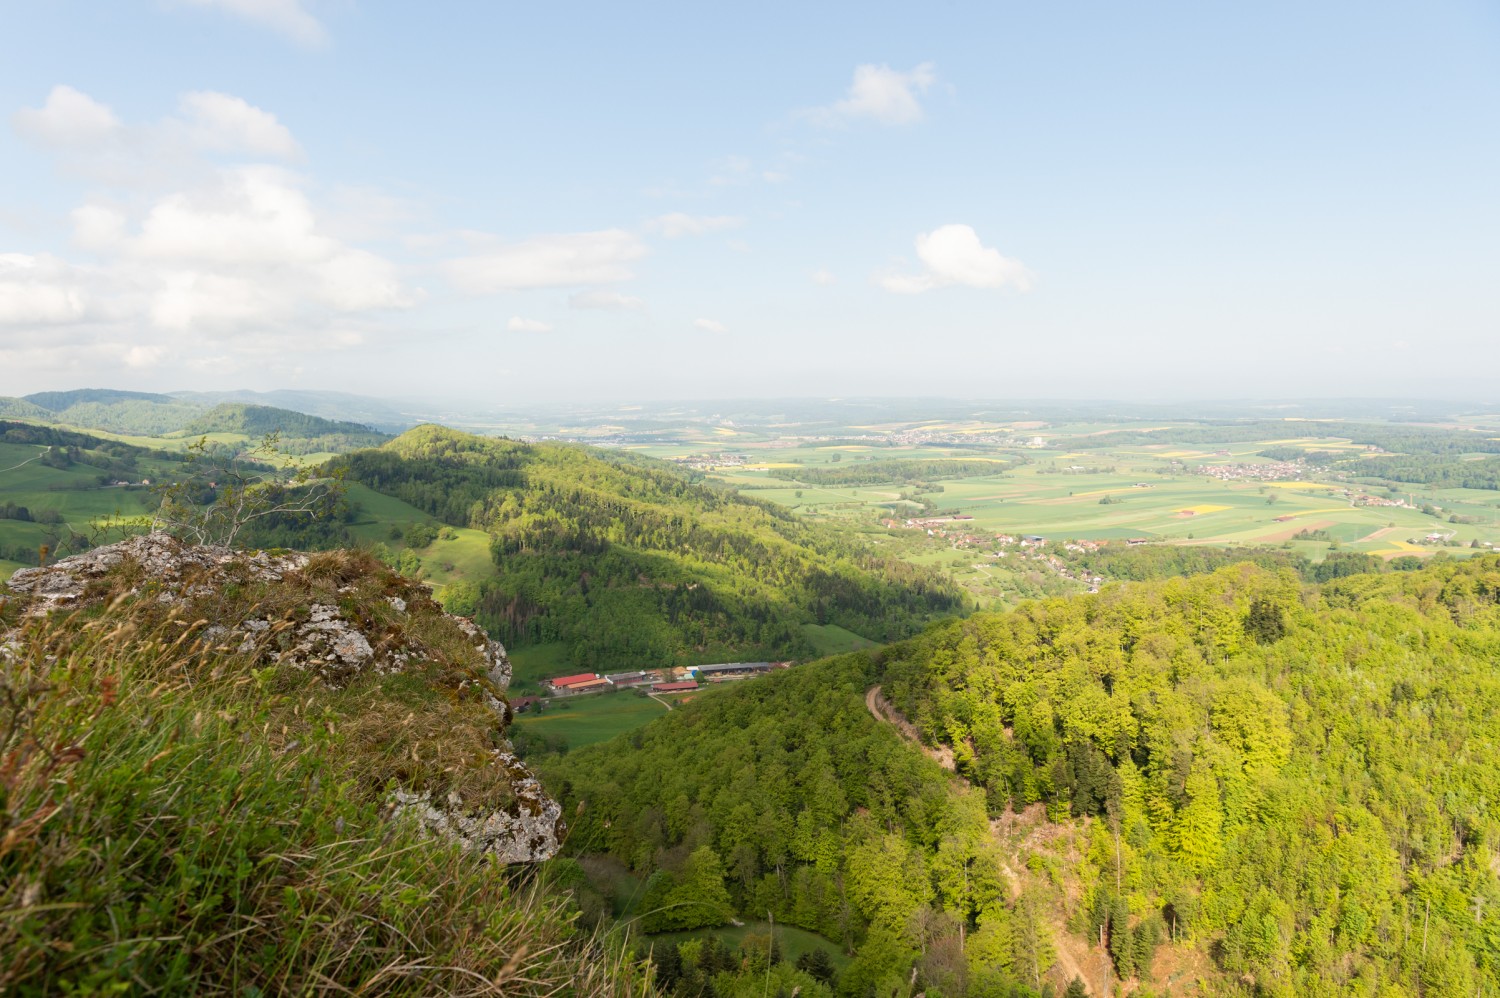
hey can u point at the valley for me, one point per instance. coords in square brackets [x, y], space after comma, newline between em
[1071, 696]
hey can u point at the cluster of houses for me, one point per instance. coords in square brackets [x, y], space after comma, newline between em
[711, 462]
[672, 680]
[1272, 471]
[1365, 499]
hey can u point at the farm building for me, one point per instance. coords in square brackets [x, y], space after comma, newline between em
[680, 687]
[570, 683]
[588, 686]
[731, 670]
[638, 678]
[522, 704]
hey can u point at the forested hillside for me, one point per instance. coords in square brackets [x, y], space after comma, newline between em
[627, 561]
[299, 432]
[1254, 787]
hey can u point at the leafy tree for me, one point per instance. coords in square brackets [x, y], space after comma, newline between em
[217, 500]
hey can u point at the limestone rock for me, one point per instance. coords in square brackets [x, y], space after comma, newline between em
[336, 636]
[525, 832]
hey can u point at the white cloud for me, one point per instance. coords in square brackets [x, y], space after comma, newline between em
[250, 244]
[578, 258]
[953, 256]
[68, 118]
[237, 264]
[823, 277]
[98, 227]
[677, 224]
[225, 123]
[882, 94]
[285, 16]
[609, 301]
[41, 290]
[519, 325]
[710, 326]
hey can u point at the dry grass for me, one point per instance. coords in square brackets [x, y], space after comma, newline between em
[174, 819]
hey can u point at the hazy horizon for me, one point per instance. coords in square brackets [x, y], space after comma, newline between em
[512, 206]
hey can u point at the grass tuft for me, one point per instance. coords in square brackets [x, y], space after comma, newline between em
[175, 818]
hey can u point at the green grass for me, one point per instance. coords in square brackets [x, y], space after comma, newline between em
[175, 822]
[465, 558]
[831, 639]
[594, 717]
[534, 663]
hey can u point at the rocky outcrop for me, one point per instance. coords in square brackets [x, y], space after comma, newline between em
[525, 833]
[346, 620]
[159, 558]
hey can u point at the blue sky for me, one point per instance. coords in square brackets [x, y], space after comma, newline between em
[517, 203]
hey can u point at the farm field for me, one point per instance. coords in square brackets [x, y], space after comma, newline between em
[831, 639]
[1072, 489]
[593, 717]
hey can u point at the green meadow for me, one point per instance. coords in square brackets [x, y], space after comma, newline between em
[593, 717]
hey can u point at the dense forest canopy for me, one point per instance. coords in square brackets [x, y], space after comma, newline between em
[1296, 782]
[627, 561]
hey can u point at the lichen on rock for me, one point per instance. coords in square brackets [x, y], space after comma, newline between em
[352, 628]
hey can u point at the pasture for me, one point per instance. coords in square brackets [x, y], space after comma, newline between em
[592, 717]
[831, 639]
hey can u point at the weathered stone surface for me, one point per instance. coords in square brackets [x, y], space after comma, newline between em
[339, 646]
[162, 558]
[527, 832]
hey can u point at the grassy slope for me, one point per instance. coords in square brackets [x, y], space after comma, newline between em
[588, 720]
[178, 823]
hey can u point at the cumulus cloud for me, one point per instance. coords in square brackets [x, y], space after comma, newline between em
[194, 263]
[823, 277]
[710, 326]
[609, 301]
[224, 123]
[881, 94]
[68, 118]
[519, 325]
[42, 290]
[87, 138]
[675, 225]
[577, 258]
[952, 255]
[250, 245]
[287, 17]
[240, 260]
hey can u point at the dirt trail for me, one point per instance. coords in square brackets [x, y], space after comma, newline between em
[23, 463]
[882, 711]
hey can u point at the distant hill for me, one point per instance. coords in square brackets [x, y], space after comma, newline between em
[300, 433]
[58, 401]
[373, 412]
[15, 408]
[366, 421]
[624, 561]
